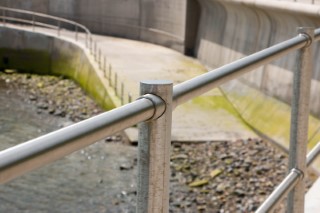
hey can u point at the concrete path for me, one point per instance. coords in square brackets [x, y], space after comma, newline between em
[202, 119]
[206, 118]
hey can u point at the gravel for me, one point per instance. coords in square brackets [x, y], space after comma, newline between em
[221, 177]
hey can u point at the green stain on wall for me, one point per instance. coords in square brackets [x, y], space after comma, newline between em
[73, 67]
[268, 115]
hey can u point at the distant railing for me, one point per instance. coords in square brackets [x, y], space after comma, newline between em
[153, 110]
[304, 1]
[8, 15]
[33, 16]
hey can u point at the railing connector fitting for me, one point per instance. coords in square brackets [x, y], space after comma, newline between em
[158, 104]
[308, 33]
[299, 173]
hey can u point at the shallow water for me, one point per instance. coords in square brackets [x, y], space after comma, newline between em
[89, 180]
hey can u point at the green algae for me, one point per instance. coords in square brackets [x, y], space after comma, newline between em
[269, 116]
[43, 63]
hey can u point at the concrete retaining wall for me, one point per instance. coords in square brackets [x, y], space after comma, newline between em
[230, 30]
[160, 22]
[38, 53]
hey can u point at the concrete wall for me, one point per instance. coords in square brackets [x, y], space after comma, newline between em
[156, 21]
[38, 53]
[230, 30]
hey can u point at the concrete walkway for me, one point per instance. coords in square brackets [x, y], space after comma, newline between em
[202, 119]
[206, 118]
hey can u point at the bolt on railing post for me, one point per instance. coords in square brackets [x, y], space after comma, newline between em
[154, 152]
[299, 119]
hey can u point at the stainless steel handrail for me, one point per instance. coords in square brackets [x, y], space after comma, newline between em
[47, 16]
[29, 22]
[181, 93]
[38, 152]
[205, 82]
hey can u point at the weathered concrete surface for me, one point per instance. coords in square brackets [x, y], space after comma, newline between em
[160, 22]
[236, 28]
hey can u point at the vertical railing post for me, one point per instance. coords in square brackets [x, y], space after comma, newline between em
[110, 75]
[299, 119]
[122, 93]
[33, 22]
[59, 26]
[4, 17]
[76, 32]
[154, 152]
[104, 66]
[116, 83]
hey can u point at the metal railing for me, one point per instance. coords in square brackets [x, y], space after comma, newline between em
[153, 112]
[7, 15]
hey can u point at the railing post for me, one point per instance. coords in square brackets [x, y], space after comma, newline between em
[59, 26]
[122, 93]
[299, 120]
[33, 22]
[116, 83]
[4, 17]
[110, 75]
[154, 152]
[76, 33]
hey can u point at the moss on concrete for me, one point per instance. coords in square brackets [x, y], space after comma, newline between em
[39, 62]
[269, 116]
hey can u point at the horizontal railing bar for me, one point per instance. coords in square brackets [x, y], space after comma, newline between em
[46, 16]
[29, 22]
[43, 150]
[281, 191]
[201, 84]
[313, 154]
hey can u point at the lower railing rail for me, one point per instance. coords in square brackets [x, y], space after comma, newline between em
[287, 184]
